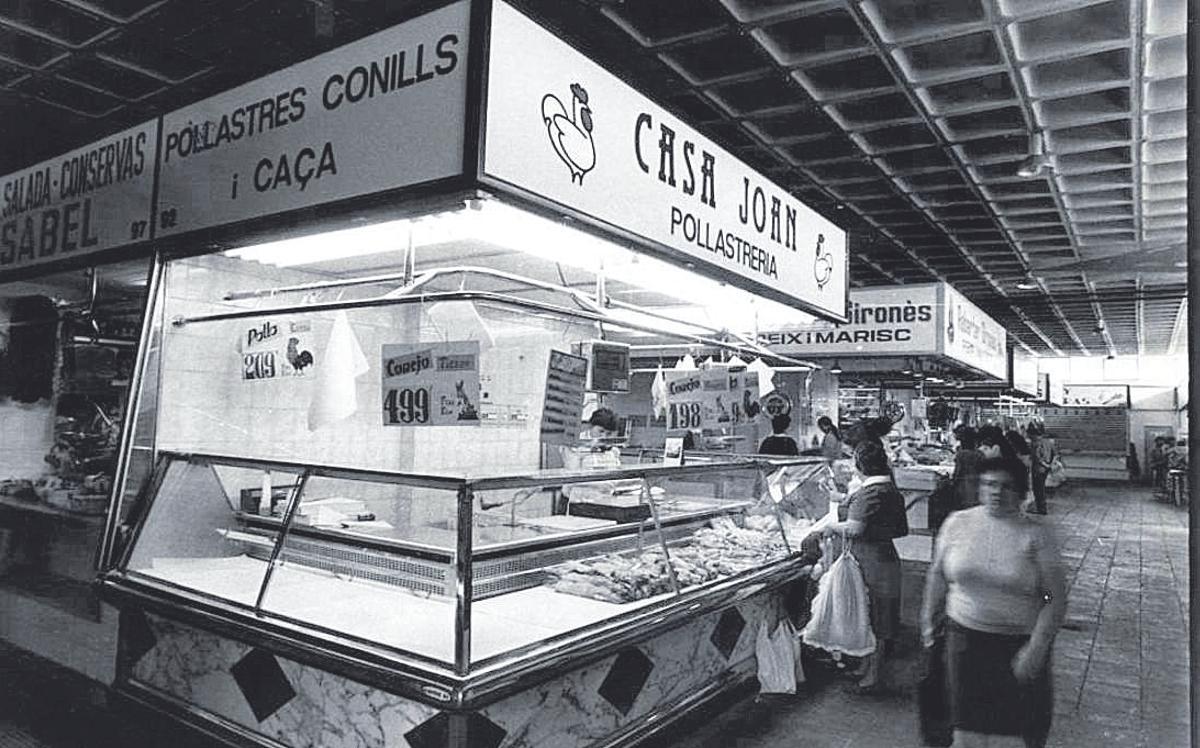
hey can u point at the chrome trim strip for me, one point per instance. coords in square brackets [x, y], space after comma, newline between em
[133, 402]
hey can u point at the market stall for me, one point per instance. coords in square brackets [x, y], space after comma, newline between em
[903, 353]
[376, 508]
[74, 264]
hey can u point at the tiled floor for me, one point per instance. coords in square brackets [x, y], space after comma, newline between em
[1120, 662]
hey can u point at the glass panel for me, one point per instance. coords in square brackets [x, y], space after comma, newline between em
[210, 529]
[67, 348]
[373, 561]
[599, 552]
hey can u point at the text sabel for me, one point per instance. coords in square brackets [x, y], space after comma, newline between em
[54, 231]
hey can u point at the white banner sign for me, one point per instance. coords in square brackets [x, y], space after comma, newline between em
[431, 384]
[384, 112]
[972, 337]
[87, 200]
[562, 127]
[711, 399]
[899, 320]
[1024, 372]
[276, 349]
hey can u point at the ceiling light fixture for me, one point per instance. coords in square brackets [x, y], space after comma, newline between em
[1037, 161]
[1027, 284]
[836, 368]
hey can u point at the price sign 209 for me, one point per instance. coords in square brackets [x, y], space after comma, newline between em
[259, 365]
[406, 406]
[684, 416]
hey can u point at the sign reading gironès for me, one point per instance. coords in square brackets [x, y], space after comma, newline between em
[384, 112]
[83, 202]
[560, 126]
[917, 320]
[899, 320]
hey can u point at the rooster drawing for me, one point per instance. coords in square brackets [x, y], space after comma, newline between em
[297, 358]
[823, 264]
[571, 135]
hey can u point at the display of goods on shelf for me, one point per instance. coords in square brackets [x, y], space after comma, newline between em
[941, 414]
[712, 552]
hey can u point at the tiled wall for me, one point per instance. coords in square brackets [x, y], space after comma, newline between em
[206, 406]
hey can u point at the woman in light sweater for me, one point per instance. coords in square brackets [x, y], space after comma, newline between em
[996, 583]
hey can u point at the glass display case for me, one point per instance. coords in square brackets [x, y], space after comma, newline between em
[457, 573]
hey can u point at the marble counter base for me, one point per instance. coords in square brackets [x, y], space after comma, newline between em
[298, 705]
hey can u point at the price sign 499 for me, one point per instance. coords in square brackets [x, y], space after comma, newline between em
[409, 405]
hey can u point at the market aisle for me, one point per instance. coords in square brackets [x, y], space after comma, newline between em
[1120, 662]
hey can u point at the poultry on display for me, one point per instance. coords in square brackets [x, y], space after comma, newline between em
[571, 135]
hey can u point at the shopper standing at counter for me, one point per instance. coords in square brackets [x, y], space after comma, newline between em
[831, 443]
[779, 443]
[996, 586]
[875, 517]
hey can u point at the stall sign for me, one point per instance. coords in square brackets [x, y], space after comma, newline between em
[276, 349]
[431, 384]
[384, 112]
[1024, 372]
[900, 320]
[86, 201]
[711, 399]
[1043, 387]
[563, 128]
[1096, 395]
[562, 408]
[972, 337]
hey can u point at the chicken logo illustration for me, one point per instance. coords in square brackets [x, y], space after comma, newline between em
[823, 264]
[571, 134]
[296, 357]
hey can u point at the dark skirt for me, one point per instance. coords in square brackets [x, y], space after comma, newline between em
[881, 572]
[985, 696]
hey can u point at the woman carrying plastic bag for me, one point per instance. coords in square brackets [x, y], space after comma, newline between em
[875, 516]
[841, 614]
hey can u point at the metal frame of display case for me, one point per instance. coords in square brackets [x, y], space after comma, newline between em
[465, 684]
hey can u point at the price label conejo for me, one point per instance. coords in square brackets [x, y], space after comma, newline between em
[431, 384]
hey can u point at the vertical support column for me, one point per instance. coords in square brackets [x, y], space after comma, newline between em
[462, 581]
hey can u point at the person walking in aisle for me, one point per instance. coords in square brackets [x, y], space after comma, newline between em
[966, 460]
[1043, 455]
[875, 516]
[996, 591]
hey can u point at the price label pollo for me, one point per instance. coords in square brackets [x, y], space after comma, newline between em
[276, 349]
[711, 399]
[431, 384]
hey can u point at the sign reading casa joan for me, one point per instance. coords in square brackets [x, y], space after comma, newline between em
[384, 112]
[90, 199]
[563, 128]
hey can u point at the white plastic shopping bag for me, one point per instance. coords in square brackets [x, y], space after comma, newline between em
[841, 614]
[778, 654]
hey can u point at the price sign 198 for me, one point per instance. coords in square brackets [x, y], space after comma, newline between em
[406, 406]
[259, 365]
[684, 416]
